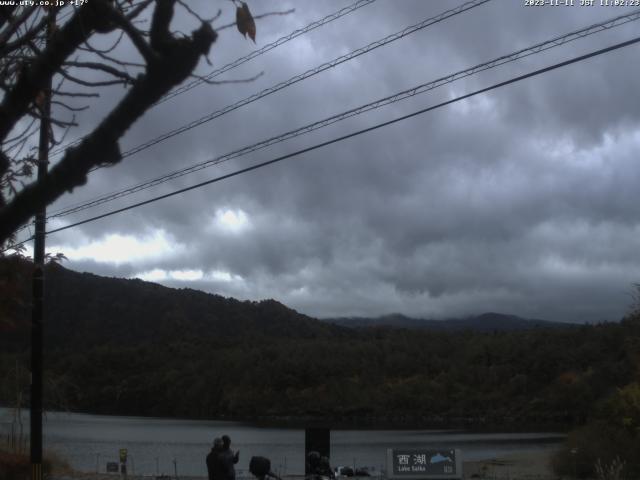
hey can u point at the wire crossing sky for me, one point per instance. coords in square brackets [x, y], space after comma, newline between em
[306, 75]
[346, 137]
[281, 41]
[242, 60]
[405, 94]
[522, 201]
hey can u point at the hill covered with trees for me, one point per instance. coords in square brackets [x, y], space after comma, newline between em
[130, 347]
[486, 322]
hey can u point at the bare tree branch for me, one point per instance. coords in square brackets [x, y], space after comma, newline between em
[138, 9]
[172, 62]
[13, 25]
[134, 35]
[6, 46]
[88, 83]
[224, 82]
[68, 107]
[28, 63]
[117, 61]
[76, 94]
[104, 68]
[93, 15]
[92, 49]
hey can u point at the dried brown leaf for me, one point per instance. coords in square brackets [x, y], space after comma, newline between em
[244, 21]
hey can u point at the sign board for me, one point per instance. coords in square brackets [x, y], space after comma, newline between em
[113, 467]
[427, 463]
[123, 455]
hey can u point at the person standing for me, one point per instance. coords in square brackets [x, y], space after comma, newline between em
[228, 458]
[214, 461]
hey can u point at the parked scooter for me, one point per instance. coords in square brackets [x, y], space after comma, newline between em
[260, 467]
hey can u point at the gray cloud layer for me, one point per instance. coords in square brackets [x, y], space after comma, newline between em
[522, 200]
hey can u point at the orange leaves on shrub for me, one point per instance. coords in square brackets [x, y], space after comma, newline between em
[568, 378]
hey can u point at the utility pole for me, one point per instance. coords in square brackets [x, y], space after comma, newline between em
[38, 278]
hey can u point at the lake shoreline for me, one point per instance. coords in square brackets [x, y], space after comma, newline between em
[467, 424]
[156, 445]
[493, 423]
[528, 465]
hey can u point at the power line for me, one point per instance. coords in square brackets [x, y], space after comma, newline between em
[422, 88]
[348, 136]
[308, 74]
[266, 48]
[372, 46]
[242, 60]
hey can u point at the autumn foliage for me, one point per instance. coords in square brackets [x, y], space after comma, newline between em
[244, 21]
[14, 466]
[17, 466]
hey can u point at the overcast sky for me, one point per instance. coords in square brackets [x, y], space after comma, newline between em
[523, 200]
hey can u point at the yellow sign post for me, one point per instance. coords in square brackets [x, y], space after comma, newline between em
[123, 462]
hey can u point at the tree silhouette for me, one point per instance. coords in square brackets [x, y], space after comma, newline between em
[77, 71]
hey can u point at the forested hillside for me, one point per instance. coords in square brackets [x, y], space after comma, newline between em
[84, 310]
[486, 322]
[136, 348]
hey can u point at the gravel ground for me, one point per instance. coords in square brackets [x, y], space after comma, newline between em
[521, 466]
[524, 466]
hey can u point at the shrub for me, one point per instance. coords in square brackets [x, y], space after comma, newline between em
[597, 443]
[613, 471]
[14, 466]
[17, 466]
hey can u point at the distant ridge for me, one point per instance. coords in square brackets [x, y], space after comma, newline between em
[486, 322]
[130, 347]
[87, 309]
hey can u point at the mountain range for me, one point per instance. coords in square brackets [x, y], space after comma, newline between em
[92, 310]
[486, 322]
[130, 347]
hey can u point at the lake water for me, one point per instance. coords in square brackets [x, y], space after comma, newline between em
[88, 442]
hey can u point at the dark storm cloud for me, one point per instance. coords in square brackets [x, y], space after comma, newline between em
[521, 200]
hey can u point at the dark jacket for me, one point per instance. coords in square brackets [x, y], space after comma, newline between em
[212, 460]
[218, 465]
[227, 460]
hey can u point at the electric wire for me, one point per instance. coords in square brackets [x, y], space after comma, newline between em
[273, 89]
[242, 60]
[345, 137]
[282, 40]
[344, 58]
[422, 88]
[303, 76]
